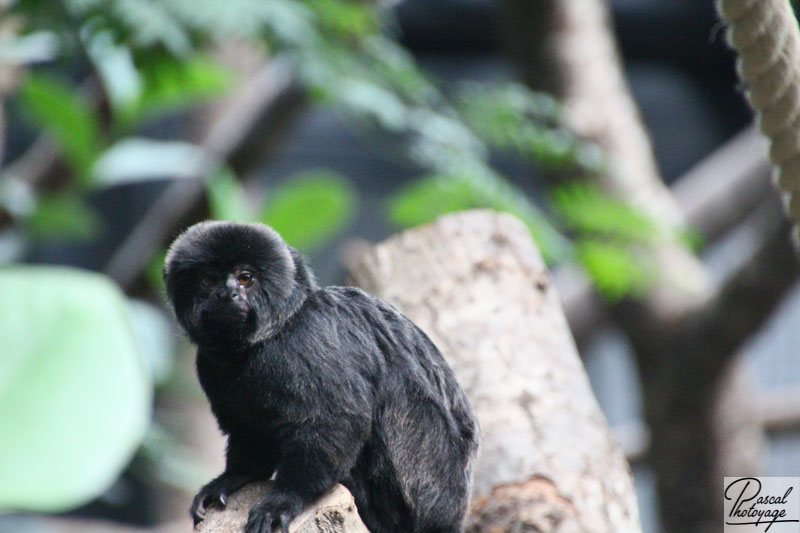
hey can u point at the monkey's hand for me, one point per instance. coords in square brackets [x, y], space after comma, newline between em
[278, 508]
[216, 493]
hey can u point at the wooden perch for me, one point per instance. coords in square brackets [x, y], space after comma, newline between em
[333, 513]
[477, 285]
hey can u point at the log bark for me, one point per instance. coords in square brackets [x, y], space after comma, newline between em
[333, 513]
[476, 284]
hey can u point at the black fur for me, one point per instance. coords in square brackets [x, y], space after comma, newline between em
[319, 386]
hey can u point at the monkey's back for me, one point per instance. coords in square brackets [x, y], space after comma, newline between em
[417, 465]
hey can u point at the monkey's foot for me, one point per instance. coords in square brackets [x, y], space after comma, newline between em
[277, 509]
[216, 493]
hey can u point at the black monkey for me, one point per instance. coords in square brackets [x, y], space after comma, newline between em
[318, 386]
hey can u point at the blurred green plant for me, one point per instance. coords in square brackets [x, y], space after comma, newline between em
[308, 209]
[339, 53]
[75, 393]
[612, 239]
[66, 114]
[514, 118]
[436, 195]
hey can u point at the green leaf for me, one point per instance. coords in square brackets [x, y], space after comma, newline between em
[310, 209]
[138, 159]
[587, 209]
[227, 199]
[170, 84]
[151, 24]
[511, 117]
[288, 21]
[345, 18]
[35, 47]
[368, 99]
[60, 109]
[75, 395]
[433, 196]
[63, 216]
[615, 270]
[155, 337]
[116, 69]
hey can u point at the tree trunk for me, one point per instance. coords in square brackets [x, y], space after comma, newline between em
[477, 285]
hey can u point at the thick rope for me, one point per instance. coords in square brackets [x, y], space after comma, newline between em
[766, 36]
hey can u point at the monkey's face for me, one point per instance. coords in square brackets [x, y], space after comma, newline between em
[227, 281]
[225, 304]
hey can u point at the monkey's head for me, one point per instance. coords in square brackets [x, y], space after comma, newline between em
[232, 283]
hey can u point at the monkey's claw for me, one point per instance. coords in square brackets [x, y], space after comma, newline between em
[266, 522]
[275, 510]
[214, 494]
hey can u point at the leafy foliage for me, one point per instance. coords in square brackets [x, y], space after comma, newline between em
[64, 215]
[587, 209]
[307, 209]
[57, 107]
[310, 208]
[511, 117]
[135, 159]
[612, 239]
[169, 85]
[616, 270]
[436, 195]
[70, 374]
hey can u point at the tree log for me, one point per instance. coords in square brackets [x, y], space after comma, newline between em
[477, 285]
[333, 513]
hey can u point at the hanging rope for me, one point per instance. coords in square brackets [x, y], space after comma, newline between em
[766, 36]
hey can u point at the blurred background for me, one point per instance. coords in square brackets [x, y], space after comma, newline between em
[340, 122]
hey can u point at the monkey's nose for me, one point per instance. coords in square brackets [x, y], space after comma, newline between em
[233, 289]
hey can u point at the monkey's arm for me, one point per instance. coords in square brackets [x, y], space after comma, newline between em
[244, 463]
[313, 460]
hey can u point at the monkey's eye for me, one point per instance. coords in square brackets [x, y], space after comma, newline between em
[245, 278]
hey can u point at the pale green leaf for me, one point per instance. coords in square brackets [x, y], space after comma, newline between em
[75, 396]
[138, 159]
[310, 209]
